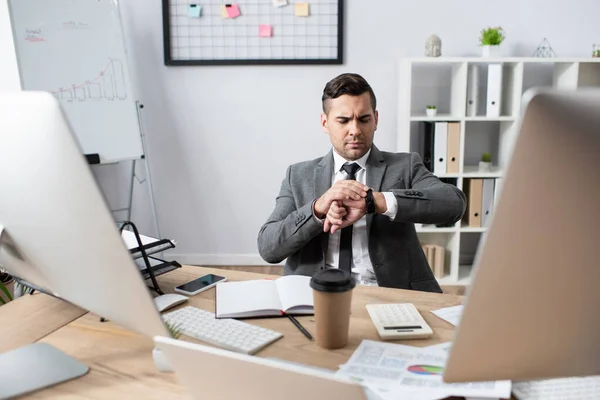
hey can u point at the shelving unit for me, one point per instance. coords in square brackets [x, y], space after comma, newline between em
[444, 82]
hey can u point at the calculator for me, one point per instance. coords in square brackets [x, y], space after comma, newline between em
[398, 321]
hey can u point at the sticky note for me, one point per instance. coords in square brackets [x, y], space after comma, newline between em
[231, 11]
[265, 30]
[279, 3]
[224, 11]
[301, 9]
[194, 10]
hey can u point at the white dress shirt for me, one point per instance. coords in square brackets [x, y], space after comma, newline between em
[361, 263]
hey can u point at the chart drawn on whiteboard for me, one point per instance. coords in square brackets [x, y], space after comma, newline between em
[75, 50]
[109, 85]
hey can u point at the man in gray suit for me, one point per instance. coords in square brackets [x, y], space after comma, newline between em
[355, 208]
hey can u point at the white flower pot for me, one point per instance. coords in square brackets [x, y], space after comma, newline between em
[431, 112]
[160, 361]
[490, 51]
[485, 166]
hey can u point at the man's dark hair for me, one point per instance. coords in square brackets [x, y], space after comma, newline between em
[350, 84]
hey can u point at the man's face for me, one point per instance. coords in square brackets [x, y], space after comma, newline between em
[350, 124]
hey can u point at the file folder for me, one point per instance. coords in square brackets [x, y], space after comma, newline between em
[497, 189]
[452, 157]
[494, 90]
[438, 264]
[474, 193]
[427, 151]
[440, 148]
[473, 91]
[487, 202]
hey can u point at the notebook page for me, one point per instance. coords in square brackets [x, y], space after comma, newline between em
[235, 298]
[295, 291]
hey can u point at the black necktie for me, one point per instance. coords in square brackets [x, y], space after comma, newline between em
[345, 260]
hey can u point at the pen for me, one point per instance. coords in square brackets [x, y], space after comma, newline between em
[295, 321]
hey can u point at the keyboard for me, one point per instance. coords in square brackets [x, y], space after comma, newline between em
[229, 334]
[563, 388]
[398, 321]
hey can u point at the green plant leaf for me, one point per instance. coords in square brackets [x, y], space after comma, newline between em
[6, 292]
[174, 330]
[492, 36]
[486, 157]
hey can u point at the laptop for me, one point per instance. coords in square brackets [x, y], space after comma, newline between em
[533, 308]
[213, 373]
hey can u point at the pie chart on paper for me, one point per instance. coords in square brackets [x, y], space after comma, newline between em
[425, 370]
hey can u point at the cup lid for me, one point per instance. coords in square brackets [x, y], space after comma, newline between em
[332, 280]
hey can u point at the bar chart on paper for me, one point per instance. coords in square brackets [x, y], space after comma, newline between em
[75, 50]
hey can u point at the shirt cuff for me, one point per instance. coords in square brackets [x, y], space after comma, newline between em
[392, 205]
[318, 220]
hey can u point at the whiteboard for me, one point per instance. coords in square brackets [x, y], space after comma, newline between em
[75, 49]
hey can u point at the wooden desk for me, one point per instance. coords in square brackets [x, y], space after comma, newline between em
[120, 361]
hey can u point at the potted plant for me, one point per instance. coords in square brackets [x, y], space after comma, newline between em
[159, 358]
[485, 165]
[7, 284]
[490, 41]
[431, 111]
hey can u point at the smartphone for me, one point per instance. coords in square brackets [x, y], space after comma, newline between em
[199, 285]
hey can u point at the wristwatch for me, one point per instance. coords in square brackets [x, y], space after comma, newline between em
[370, 202]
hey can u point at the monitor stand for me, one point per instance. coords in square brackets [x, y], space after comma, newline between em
[34, 367]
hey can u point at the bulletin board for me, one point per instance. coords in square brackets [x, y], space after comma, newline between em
[251, 32]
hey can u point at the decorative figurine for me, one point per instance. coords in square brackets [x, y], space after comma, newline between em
[433, 46]
[544, 50]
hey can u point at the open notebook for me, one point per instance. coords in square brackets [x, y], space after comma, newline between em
[290, 294]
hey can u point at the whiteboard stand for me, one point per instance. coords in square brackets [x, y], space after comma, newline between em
[132, 179]
[148, 177]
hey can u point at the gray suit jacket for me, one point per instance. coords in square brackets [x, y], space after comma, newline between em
[398, 260]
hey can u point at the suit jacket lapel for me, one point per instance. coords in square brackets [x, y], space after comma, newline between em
[375, 171]
[322, 180]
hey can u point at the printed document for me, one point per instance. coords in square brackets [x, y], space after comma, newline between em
[392, 369]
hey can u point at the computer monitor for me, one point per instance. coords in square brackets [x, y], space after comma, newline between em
[64, 238]
[57, 231]
[253, 377]
[531, 310]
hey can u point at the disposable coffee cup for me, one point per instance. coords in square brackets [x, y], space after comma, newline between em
[332, 294]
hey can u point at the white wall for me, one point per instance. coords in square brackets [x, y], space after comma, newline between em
[220, 138]
[9, 73]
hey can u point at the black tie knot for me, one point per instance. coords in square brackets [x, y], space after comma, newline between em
[351, 170]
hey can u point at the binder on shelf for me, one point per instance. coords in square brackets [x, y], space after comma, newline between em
[453, 145]
[427, 150]
[494, 90]
[435, 255]
[440, 148]
[487, 202]
[497, 189]
[473, 91]
[474, 192]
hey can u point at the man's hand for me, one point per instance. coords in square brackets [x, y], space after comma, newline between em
[343, 214]
[341, 191]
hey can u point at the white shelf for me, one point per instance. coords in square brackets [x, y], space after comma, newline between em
[471, 229]
[491, 119]
[482, 60]
[440, 117]
[435, 229]
[444, 82]
[446, 280]
[464, 274]
[472, 171]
